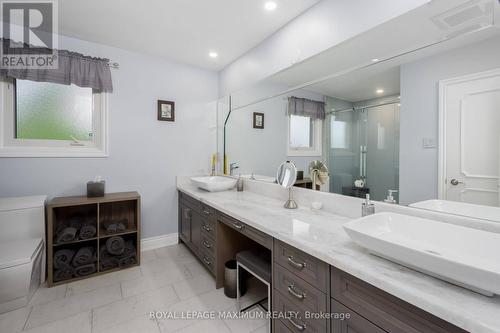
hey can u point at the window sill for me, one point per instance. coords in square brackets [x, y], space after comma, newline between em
[298, 152]
[53, 152]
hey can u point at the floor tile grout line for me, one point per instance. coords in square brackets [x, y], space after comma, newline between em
[158, 325]
[27, 319]
[92, 321]
[227, 326]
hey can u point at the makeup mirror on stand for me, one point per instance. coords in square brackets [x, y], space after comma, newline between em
[286, 177]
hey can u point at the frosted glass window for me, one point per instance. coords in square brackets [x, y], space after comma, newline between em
[339, 135]
[301, 132]
[49, 111]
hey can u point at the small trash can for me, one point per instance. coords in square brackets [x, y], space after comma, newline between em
[230, 279]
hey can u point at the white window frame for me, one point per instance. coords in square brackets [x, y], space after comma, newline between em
[12, 147]
[316, 149]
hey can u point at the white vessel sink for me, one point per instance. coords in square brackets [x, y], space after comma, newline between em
[460, 208]
[463, 256]
[214, 184]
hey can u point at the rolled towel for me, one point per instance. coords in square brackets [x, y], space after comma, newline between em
[127, 261]
[106, 261]
[120, 227]
[115, 245]
[110, 226]
[67, 234]
[85, 270]
[62, 258]
[63, 273]
[129, 249]
[83, 256]
[87, 231]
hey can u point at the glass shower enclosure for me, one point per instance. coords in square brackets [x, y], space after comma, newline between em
[362, 147]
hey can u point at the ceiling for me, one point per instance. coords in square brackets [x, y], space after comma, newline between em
[410, 31]
[362, 85]
[180, 30]
[348, 71]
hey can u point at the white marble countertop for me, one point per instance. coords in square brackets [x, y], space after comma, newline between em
[321, 234]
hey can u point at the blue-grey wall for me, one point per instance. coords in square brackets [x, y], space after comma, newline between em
[145, 154]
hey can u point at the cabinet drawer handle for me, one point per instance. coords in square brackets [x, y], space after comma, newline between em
[291, 290]
[206, 261]
[206, 212]
[297, 326]
[207, 228]
[238, 226]
[292, 262]
[207, 244]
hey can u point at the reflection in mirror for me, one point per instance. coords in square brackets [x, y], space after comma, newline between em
[319, 174]
[286, 177]
[406, 128]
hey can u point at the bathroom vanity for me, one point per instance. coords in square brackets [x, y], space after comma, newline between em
[317, 269]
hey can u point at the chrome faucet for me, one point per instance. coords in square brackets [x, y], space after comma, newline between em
[390, 197]
[232, 167]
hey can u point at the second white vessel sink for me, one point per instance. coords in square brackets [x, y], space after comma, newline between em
[214, 184]
[463, 256]
[460, 208]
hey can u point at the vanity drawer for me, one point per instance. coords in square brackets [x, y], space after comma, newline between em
[300, 322]
[208, 260]
[208, 212]
[354, 324]
[208, 245]
[312, 270]
[383, 309]
[252, 233]
[304, 295]
[208, 228]
[279, 327]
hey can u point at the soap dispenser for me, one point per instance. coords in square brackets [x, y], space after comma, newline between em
[367, 207]
[239, 184]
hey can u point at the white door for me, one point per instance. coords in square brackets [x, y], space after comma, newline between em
[470, 138]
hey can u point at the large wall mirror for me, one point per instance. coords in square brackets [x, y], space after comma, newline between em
[415, 115]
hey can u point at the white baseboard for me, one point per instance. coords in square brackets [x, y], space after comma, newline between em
[156, 242]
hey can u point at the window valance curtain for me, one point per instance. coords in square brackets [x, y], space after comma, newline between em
[306, 108]
[73, 68]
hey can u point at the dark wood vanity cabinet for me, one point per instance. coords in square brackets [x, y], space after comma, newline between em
[302, 283]
[197, 229]
[380, 308]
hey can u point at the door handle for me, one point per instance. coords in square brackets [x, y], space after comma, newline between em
[455, 182]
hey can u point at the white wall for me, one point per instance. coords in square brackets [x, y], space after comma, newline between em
[323, 26]
[145, 154]
[420, 113]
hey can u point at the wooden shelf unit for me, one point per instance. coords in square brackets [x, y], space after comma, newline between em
[113, 206]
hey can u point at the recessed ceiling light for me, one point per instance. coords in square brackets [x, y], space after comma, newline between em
[213, 54]
[270, 5]
[375, 59]
[379, 91]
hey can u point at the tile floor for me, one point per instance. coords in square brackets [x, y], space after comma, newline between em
[169, 279]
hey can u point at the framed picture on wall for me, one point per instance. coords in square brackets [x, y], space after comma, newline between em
[258, 120]
[166, 110]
